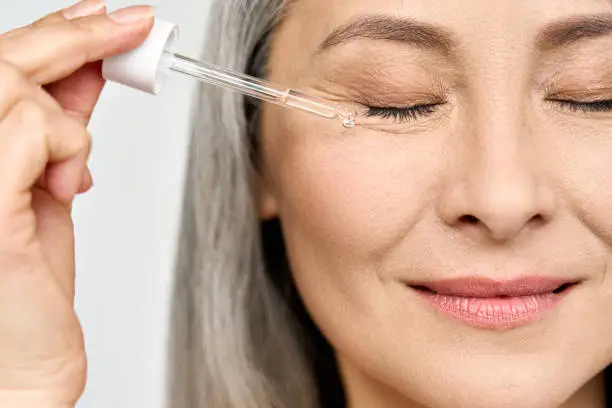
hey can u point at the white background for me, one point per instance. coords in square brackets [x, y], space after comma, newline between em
[127, 225]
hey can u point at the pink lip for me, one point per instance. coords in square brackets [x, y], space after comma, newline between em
[494, 304]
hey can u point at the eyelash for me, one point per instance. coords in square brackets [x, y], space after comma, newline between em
[401, 114]
[585, 107]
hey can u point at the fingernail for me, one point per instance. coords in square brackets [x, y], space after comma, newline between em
[130, 15]
[84, 8]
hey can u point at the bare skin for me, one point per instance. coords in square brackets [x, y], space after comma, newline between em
[50, 83]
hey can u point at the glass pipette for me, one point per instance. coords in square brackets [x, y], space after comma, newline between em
[145, 67]
[257, 88]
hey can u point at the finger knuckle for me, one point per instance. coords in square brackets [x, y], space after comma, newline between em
[38, 24]
[78, 139]
[12, 80]
[90, 29]
[82, 27]
[85, 141]
[30, 113]
[6, 46]
[47, 20]
[28, 125]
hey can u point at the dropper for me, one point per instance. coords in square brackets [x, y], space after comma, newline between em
[146, 67]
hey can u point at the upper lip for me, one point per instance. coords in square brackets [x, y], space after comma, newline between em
[483, 287]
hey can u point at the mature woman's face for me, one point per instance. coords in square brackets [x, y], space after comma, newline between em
[503, 171]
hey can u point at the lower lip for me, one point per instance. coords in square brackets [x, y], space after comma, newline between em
[494, 313]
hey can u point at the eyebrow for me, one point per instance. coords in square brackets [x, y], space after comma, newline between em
[435, 38]
[405, 30]
[570, 31]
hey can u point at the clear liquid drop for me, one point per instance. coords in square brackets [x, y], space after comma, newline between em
[348, 123]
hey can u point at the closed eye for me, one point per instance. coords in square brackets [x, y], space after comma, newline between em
[401, 114]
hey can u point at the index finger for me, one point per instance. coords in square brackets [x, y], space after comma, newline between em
[53, 51]
[48, 19]
[80, 9]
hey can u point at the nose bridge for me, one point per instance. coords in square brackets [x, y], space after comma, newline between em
[496, 185]
[501, 183]
[500, 147]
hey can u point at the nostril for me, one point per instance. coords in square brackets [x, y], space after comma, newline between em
[468, 219]
[537, 218]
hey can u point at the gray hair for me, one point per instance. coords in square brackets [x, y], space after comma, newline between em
[234, 342]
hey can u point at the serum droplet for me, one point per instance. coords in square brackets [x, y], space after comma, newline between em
[348, 122]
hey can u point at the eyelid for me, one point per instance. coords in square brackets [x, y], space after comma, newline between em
[584, 92]
[379, 91]
[401, 102]
[559, 86]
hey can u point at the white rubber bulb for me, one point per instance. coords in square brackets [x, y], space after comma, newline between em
[144, 67]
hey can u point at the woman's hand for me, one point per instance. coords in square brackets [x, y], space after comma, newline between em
[50, 82]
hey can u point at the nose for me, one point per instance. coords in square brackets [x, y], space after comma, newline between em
[495, 192]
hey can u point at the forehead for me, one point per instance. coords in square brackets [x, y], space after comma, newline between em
[309, 22]
[476, 26]
[450, 11]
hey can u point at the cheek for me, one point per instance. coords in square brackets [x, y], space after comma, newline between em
[582, 173]
[350, 191]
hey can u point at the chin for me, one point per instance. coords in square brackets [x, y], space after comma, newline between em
[500, 382]
[501, 396]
